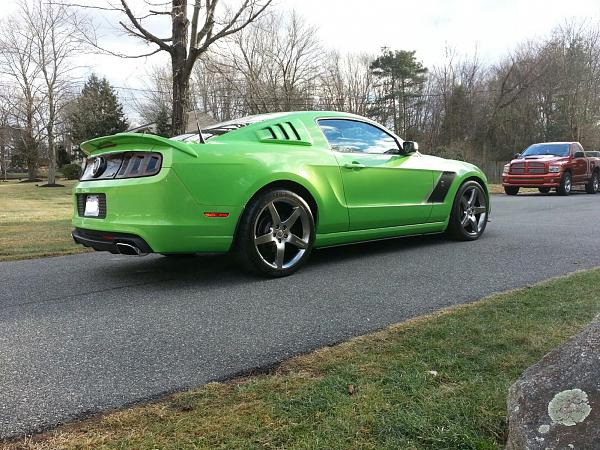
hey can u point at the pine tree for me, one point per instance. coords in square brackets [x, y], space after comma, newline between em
[163, 122]
[97, 111]
[402, 79]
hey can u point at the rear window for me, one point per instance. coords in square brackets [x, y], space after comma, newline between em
[222, 128]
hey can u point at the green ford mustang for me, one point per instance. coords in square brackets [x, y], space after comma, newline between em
[270, 188]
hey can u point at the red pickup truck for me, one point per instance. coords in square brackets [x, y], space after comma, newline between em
[553, 165]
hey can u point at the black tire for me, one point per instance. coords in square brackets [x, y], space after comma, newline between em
[511, 190]
[544, 190]
[594, 185]
[566, 184]
[262, 256]
[460, 226]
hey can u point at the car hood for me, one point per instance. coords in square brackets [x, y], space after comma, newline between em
[542, 158]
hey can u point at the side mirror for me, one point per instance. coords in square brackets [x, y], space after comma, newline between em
[410, 146]
[517, 155]
[579, 155]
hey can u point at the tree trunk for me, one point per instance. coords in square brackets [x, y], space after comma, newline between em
[179, 64]
[31, 161]
[181, 90]
[51, 157]
[3, 160]
[31, 155]
[51, 143]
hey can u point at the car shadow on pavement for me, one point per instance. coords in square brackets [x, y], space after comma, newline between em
[363, 250]
[218, 269]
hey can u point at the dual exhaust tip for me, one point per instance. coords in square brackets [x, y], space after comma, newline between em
[128, 249]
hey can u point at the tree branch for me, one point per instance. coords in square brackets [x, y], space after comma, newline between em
[146, 34]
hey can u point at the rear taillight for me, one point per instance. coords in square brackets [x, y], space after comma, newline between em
[140, 165]
[122, 165]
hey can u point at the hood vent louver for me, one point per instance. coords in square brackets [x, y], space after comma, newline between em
[286, 132]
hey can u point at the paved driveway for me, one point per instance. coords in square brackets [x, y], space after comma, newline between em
[87, 333]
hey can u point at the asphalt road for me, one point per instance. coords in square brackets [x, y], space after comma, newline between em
[93, 332]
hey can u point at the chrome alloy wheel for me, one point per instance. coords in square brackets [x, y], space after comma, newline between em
[596, 182]
[473, 210]
[568, 184]
[282, 233]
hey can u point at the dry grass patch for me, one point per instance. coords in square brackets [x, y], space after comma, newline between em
[35, 221]
[498, 189]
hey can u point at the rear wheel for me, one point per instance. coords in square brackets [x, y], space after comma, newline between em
[469, 215]
[566, 184]
[544, 190]
[511, 190]
[276, 234]
[594, 185]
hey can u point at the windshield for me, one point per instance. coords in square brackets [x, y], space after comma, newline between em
[548, 149]
[224, 127]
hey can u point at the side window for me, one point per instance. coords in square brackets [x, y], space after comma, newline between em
[352, 136]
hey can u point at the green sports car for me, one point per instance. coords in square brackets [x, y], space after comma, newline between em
[270, 188]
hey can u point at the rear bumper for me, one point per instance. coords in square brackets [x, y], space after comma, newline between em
[550, 180]
[107, 241]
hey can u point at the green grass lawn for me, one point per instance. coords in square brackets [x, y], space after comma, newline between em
[35, 221]
[437, 382]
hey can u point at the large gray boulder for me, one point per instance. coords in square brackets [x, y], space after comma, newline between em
[556, 403]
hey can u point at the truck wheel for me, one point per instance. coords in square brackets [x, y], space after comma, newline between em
[594, 184]
[544, 190]
[511, 190]
[566, 184]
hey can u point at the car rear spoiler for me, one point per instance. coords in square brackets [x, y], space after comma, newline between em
[101, 143]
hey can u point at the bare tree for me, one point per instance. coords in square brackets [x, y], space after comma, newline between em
[157, 94]
[24, 96]
[194, 30]
[54, 30]
[347, 83]
[274, 64]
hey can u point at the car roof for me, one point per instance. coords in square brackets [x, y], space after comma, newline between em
[260, 120]
[556, 142]
[249, 120]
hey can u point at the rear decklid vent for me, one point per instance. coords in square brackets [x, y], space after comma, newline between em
[285, 132]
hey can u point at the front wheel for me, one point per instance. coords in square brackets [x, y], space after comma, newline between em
[511, 190]
[469, 215]
[594, 185]
[566, 184]
[544, 190]
[276, 234]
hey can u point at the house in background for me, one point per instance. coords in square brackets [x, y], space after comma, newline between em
[203, 120]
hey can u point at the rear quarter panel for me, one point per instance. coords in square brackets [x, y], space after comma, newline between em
[231, 171]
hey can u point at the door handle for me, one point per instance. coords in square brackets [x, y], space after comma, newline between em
[354, 165]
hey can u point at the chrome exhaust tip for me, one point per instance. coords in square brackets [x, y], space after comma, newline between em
[128, 249]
